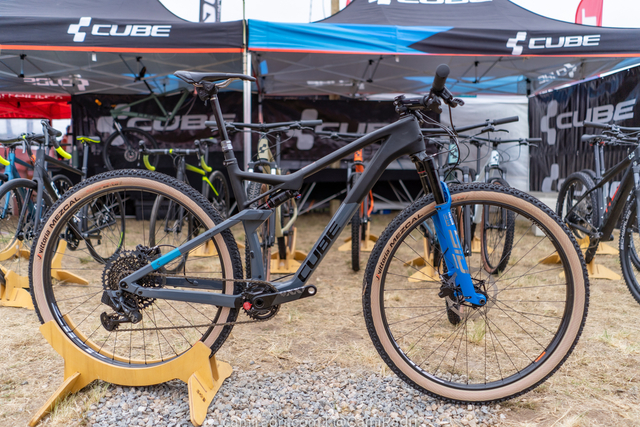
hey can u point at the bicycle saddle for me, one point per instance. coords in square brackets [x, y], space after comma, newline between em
[196, 78]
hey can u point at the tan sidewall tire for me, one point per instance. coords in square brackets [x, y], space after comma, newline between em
[129, 183]
[564, 347]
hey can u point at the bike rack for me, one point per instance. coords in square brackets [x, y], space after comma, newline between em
[427, 273]
[14, 291]
[292, 261]
[366, 245]
[203, 375]
[206, 250]
[596, 271]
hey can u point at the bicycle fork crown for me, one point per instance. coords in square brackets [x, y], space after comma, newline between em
[457, 268]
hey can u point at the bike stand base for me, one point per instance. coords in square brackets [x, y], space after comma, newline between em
[206, 250]
[56, 267]
[599, 271]
[366, 245]
[476, 245]
[427, 273]
[603, 248]
[291, 262]
[203, 375]
[596, 271]
[16, 250]
[14, 291]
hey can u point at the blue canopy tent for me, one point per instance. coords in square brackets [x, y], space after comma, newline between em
[388, 46]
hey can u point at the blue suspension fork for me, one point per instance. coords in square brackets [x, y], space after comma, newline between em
[446, 231]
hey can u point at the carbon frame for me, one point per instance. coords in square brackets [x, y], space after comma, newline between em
[630, 180]
[400, 138]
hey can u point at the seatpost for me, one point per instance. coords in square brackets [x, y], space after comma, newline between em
[227, 149]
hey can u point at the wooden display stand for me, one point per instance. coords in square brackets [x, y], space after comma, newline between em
[14, 292]
[203, 375]
[206, 250]
[476, 246]
[427, 273]
[291, 262]
[366, 245]
[596, 271]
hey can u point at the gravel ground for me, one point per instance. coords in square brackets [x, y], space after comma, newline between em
[304, 396]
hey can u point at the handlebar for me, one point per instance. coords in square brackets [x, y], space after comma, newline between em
[432, 101]
[50, 134]
[339, 135]
[607, 126]
[263, 127]
[489, 123]
[442, 72]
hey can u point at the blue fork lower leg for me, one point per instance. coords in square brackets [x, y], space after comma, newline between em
[457, 269]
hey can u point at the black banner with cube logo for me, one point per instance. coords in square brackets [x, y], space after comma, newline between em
[558, 118]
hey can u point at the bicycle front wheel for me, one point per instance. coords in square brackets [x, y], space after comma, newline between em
[122, 149]
[534, 314]
[629, 242]
[87, 314]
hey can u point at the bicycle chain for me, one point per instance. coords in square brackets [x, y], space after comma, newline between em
[205, 325]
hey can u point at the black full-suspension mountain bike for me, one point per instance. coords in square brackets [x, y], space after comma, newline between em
[513, 330]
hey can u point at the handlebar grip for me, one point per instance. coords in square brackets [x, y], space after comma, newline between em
[145, 160]
[4, 162]
[62, 153]
[211, 124]
[597, 125]
[442, 72]
[534, 139]
[309, 123]
[589, 138]
[506, 120]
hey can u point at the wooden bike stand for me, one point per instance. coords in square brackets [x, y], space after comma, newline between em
[427, 273]
[596, 271]
[291, 262]
[203, 375]
[14, 292]
[366, 245]
[206, 250]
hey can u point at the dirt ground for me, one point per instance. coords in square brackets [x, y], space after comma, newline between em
[597, 386]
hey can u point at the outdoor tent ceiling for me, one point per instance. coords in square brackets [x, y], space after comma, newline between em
[376, 46]
[85, 46]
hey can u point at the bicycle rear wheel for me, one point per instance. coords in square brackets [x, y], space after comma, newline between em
[584, 215]
[122, 150]
[527, 329]
[166, 328]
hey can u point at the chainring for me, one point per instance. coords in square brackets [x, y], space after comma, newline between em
[254, 289]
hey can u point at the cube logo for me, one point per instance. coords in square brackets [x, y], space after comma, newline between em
[114, 30]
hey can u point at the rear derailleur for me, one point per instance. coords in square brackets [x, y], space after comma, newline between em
[127, 307]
